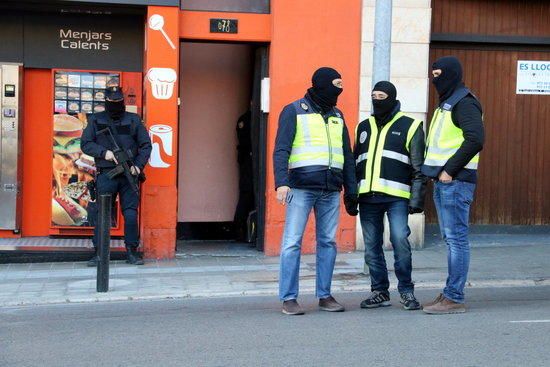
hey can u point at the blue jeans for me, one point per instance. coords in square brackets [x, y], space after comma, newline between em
[452, 201]
[326, 205]
[372, 223]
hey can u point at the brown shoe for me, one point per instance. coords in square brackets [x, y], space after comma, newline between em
[291, 307]
[435, 300]
[329, 304]
[445, 306]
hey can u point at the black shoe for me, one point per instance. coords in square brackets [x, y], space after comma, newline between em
[291, 307]
[133, 257]
[409, 301]
[329, 304]
[377, 299]
[92, 263]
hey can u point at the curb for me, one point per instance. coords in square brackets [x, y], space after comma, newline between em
[506, 283]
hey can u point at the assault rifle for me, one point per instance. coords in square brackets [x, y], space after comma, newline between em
[124, 159]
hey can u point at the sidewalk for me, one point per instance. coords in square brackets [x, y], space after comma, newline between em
[518, 261]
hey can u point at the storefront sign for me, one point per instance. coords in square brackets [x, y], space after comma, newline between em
[224, 26]
[83, 41]
[533, 77]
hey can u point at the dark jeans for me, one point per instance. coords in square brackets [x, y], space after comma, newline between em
[372, 223]
[129, 202]
[452, 201]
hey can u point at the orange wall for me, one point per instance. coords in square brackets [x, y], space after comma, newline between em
[159, 196]
[215, 83]
[308, 34]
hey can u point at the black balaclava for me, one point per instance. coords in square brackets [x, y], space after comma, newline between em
[382, 108]
[115, 109]
[323, 92]
[450, 78]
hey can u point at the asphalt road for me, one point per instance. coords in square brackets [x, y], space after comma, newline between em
[504, 327]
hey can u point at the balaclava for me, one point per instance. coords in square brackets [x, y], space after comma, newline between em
[115, 109]
[381, 108]
[450, 78]
[323, 92]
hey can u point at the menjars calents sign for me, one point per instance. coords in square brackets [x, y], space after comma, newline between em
[84, 41]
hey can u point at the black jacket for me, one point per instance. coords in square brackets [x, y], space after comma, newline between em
[467, 115]
[418, 180]
[132, 135]
[312, 177]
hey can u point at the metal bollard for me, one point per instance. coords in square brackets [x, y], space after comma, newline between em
[104, 241]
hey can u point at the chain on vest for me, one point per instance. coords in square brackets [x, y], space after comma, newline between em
[383, 162]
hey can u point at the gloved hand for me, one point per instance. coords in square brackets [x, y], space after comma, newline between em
[414, 210]
[351, 202]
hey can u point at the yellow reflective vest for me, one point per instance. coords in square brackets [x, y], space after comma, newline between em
[383, 162]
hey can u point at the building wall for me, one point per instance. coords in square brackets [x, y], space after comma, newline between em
[308, 34]
[410, 53]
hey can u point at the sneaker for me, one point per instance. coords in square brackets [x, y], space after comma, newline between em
[377, 299]
[329, 304]
[291, 307]
[445, 306]
[434, 301]
[133, 257]
[92, 263]
[409, 301]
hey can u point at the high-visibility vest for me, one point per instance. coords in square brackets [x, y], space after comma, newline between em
[445, 137]
[318, 141]
[383, 162]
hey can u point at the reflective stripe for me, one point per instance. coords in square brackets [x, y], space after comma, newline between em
[315, 162]
[361, 158]
[394, 184]
[318, 149]
[303, 121]
[441, 162]
[443, 151]
[397, 156]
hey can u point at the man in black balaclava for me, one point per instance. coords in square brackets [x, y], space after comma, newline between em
[389, 152]
[324, 91]
[130, 134]
[455, 139]
[312, 161]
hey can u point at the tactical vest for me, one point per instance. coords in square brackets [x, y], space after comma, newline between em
[383, 156]
[318, 141]
[445, 137]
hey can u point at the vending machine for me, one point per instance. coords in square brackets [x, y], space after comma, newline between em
[10, 146]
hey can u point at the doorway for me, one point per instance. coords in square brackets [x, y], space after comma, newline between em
[221, 162]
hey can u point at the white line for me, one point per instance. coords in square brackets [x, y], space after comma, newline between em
[529, 321]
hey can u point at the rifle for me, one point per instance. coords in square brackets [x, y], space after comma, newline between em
[124, 159]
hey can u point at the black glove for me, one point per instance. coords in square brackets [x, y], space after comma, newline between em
[351, 202]
[414, 210]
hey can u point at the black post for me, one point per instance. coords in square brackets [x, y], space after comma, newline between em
[104, 241]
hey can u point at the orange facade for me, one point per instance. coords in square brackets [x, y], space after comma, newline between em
[302, 36]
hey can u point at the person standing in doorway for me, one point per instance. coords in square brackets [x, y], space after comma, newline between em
[312, 160]
[130, 134]
[246, 201]
[389, 152]
[455, 139]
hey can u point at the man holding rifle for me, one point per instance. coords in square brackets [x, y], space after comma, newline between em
[121, 147]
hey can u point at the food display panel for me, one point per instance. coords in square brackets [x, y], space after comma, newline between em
[76, 94]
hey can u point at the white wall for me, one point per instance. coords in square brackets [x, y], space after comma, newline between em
[409, 60]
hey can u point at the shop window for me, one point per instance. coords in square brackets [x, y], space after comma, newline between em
[238, 6]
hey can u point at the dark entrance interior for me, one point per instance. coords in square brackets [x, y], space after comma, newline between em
[221, 173]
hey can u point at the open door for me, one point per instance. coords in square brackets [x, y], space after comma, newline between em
[259, 141]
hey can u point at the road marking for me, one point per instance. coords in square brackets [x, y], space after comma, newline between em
[529, 321]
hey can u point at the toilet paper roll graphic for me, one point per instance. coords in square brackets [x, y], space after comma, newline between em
[161, 138]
